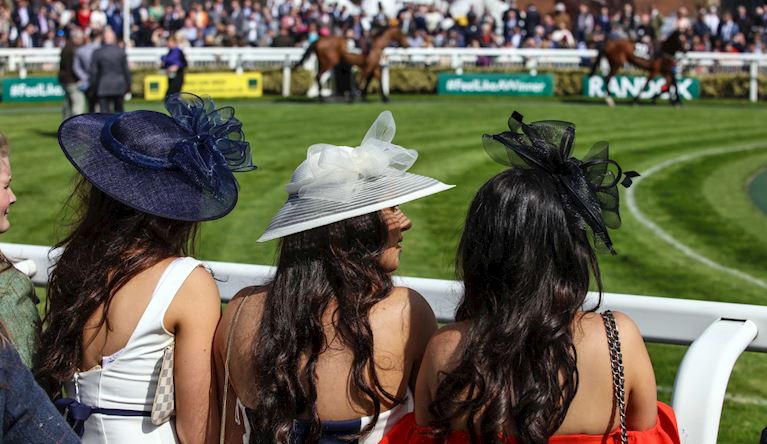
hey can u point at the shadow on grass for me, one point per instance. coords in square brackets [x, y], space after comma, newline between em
[44, 133]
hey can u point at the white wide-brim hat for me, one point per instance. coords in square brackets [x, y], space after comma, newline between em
[335, 183]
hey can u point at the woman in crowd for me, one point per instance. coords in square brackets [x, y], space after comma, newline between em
[125, 302]
[524, 361]
[174, 64]
[330, 348]
[18, 301]
[28, 415]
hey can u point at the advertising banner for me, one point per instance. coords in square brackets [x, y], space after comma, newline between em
[32, 89]
[625, 87]
[217, 85]
[496, 84]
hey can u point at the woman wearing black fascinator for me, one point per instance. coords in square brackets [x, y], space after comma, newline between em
[525, 361]
[130, 316]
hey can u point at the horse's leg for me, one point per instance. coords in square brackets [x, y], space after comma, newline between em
[377, 73]
[650, 76]
[322, 66]
[676, 99]
[608, 95]
[366, 78]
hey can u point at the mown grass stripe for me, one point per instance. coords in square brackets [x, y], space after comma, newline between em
[662, 234]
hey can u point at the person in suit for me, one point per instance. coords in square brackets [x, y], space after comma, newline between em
[110, 75]
[82, 68]
[23, 16]
[74, 101]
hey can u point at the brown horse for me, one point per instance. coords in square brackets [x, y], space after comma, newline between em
[620, 51]
[331, 51]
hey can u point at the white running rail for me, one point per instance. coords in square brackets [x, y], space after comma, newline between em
[22, 60]
[717, 332]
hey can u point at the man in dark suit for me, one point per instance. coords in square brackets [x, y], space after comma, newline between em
[22, 16]
[110, 75]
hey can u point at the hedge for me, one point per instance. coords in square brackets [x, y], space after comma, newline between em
[424, 81]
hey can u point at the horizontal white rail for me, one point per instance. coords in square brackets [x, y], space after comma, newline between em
[719, 331]
[241, 58]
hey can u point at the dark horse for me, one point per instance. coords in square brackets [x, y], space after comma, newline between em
[620, 51]
[331, 51]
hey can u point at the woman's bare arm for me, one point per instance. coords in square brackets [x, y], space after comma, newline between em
[194, 315]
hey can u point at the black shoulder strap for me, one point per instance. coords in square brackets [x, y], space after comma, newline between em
[616, 363]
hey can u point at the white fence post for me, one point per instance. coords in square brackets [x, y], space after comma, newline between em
[701, 381]
[22, 68]
[456, 63]
[286, 73]
[126, 22]
[532, 65]
[385, 78]
[753, 87]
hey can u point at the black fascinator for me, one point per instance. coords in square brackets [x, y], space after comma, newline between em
[589, 187]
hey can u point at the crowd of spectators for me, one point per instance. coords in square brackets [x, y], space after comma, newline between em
[45, 23]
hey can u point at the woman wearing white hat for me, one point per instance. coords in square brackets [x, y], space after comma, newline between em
[330, 348]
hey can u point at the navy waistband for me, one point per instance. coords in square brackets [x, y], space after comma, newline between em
[77, 413]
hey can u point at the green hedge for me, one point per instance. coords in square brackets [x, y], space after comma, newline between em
[566, 82]
[424, 81]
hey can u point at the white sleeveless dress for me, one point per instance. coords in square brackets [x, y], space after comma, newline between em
[127, 380]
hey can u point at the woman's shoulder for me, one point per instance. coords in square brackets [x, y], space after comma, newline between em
[249, 299]
[14, 280]
[403, 306]
[590, 330]
[248, 303]
[445, 347]
[405, 298]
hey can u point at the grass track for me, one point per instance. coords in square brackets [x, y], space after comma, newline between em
[702, 202]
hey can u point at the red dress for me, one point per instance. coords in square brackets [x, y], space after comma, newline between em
[664, 432]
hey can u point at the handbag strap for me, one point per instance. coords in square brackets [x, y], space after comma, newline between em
[229, 336]
[616, 364]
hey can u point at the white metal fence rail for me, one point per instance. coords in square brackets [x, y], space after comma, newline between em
[718, 332]
[246, 58]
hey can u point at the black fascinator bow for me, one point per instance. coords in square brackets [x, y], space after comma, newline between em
[589, 187]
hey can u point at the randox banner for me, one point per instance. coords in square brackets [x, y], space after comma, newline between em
[496, 84]
[217, 85]
[32, 89]
[625, 87]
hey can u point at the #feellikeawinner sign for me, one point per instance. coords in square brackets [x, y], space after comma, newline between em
[627, 87]
[32, 89]
[496, 84]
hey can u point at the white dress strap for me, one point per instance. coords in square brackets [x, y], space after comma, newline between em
[170, 282]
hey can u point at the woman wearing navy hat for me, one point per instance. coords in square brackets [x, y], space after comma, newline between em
[130, 316]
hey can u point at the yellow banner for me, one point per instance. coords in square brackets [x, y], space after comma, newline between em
[217, 85]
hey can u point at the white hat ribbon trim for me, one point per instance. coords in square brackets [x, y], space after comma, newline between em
[335, 173]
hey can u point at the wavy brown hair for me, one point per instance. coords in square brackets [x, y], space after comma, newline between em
[108, 245]
[336, 265]
[526, 266]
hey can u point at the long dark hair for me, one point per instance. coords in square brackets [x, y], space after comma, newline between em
[109, 244]
[339, 265]
[525, 265]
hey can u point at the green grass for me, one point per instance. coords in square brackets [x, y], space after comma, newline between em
[703, 202]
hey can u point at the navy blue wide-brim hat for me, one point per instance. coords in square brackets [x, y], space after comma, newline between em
[177, 167]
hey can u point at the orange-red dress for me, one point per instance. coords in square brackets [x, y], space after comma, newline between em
[664, 432]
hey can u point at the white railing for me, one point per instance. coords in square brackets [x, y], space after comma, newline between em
[717, 332]
[247, 58]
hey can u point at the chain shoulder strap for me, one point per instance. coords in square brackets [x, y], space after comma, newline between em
[229, 336]
[616, 363]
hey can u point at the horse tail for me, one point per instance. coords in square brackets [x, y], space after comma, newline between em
[308, 52]
[595, 64]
